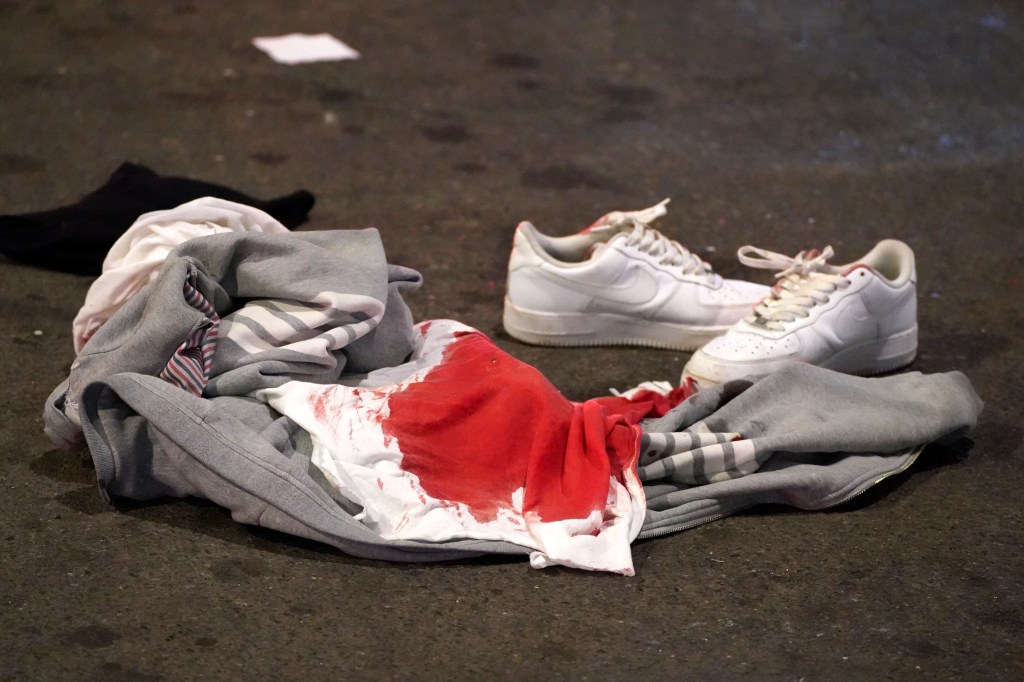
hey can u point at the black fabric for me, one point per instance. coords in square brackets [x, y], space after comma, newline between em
[76, 238]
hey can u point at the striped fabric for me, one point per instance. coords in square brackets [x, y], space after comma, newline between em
[697, 456]
[189, 366]
[294, 331]
[308, 329]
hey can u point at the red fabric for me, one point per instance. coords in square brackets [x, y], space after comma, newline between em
[481, 425]
[646, 403]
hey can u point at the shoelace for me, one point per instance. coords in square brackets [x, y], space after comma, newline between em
[647, 239]
[805, 280]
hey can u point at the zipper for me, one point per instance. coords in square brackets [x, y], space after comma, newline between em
[915, 453]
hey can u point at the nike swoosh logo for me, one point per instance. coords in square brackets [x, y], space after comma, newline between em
[852, 322]
[640, 288]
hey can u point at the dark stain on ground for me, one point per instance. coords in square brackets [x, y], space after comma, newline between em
[111, 671]
[1009, 620]
[121, 17]
[11, 164]
[353, 129]
[627, 94]
[269, 158]
[303, 608]
[210, 98]
[923, 647]
[68, 467]
[470, 167]
[92, 637]
[562, 177]
[86, 500]
[238, 570]
[621, 115]
[38, 80]
[335, 95]
[446, 133]
[514, 60]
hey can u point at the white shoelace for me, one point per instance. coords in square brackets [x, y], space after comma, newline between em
[646, 238]
[804, 281]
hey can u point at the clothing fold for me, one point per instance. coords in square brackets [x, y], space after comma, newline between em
[282, 377]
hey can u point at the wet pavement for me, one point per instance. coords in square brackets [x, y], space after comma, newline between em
[785, 125]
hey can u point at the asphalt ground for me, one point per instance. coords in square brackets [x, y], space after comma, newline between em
[786, 125]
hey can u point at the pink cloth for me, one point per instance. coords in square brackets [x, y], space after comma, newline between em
[135, 259]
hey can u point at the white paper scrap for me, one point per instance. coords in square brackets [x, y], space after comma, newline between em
[302, 48]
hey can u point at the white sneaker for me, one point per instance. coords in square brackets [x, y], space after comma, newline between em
[618, 282]
[859, 318]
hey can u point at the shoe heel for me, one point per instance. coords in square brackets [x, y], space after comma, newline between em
[896, 351]
[546, 329]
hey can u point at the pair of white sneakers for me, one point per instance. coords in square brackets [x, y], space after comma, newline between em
[621, 282]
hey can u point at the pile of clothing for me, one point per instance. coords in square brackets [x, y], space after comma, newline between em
[281, 375]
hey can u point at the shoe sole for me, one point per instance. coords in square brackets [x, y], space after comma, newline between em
[602, 329]
[866, 359]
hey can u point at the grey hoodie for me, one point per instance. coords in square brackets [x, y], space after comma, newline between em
[808, 437]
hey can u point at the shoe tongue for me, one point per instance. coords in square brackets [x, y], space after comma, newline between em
[598, 248]
[603, 228]
[602, 223]
[607, 235]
